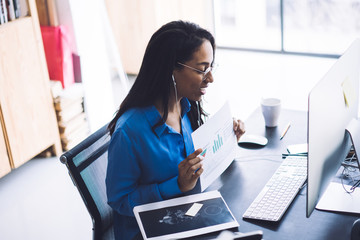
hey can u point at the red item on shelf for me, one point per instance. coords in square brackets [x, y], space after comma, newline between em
[58, 54]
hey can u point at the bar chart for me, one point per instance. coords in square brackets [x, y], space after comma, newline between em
[218, 142]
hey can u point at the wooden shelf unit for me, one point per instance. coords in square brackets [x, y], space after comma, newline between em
[28, 117]
[5, 167]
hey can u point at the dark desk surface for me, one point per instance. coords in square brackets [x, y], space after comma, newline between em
[247, 175]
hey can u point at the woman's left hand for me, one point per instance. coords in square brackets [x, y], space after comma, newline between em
[239, 128]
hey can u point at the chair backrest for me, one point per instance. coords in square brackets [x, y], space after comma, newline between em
[87, 163]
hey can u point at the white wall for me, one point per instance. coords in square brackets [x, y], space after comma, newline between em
[87, 21]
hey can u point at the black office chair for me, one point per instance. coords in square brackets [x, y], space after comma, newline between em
[87, 163]
[355, 230]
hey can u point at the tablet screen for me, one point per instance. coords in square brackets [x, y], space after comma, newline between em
[184, 217]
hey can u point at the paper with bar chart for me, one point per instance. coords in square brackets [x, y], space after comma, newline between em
[217, 139]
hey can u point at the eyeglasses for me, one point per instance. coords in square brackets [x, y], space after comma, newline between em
[205, 73]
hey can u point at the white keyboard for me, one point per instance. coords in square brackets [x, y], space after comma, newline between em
[278, 193]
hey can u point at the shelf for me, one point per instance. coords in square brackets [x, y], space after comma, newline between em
[28, 115]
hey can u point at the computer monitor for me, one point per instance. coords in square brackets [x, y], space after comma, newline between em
[333, 103]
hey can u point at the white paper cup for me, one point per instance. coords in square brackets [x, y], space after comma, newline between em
[270, 108]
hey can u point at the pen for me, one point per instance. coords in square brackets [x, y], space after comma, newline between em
[355, 185]
[285, 131]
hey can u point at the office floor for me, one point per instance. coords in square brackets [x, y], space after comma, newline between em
[38, 200]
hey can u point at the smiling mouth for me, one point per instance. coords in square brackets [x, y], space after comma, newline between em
[203, 91]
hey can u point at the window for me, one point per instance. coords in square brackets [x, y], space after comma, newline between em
[313, 27]
[248, 24]
[320, 26]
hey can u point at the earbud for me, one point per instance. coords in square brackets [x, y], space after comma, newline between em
[173, 79]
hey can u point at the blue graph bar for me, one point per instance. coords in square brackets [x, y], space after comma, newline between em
[217, 144]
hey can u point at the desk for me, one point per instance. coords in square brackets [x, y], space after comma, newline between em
[247, 175]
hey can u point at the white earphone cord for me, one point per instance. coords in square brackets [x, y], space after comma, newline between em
[176, 98]
[198, 110]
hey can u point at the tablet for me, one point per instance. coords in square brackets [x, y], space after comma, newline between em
[184, 217]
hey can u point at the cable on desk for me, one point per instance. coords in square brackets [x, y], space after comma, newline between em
[284, 155]
[355, 183]
[348, 172]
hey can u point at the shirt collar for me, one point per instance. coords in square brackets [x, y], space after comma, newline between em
[153, 116]
[185, 106]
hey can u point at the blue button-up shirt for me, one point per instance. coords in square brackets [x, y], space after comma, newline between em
[143, 163]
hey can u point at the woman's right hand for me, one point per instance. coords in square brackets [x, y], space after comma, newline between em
[190, 170]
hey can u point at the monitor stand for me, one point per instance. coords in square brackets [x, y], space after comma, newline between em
[335, 198]
[353, 129]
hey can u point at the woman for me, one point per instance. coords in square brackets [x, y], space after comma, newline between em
[151, 153]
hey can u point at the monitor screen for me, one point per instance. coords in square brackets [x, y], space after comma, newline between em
[333, 102]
